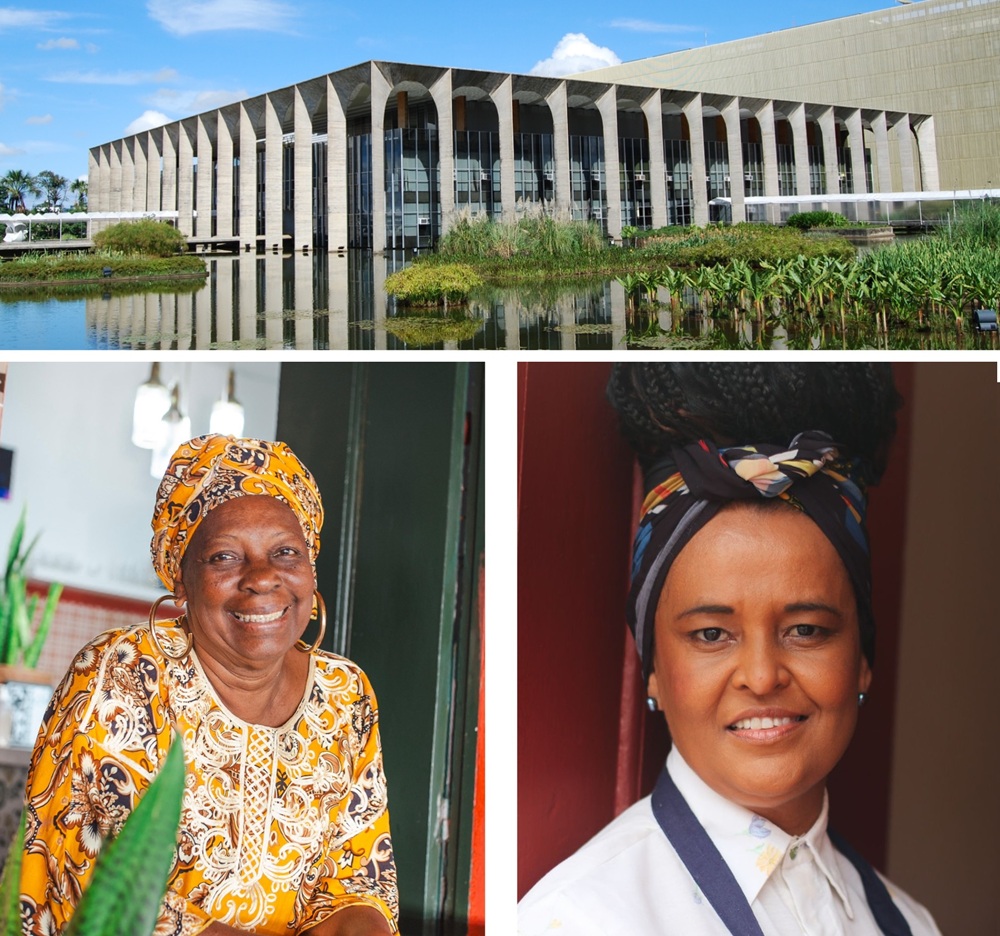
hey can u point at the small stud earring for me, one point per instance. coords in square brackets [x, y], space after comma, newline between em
[652, 704]
[861, 698]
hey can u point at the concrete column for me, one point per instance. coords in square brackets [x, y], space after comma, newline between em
[734, 147]
[560, 149]
[503, 98]
[607, 105]
[116, 176]
[619, 315]
[828, 127]
[303, 159]
[927, 153]
[273, 196]
[441, 94]
[379, 97]
[168, 200]
[93, 176]
[652, 108]
[800, 143]
[904, 142]
[185, 180]
[203, 199]
[693, 113]
[141, 163]
[336, 169]
[856, 138]
[883, 168]
[223, 177]
[769, 149]
[248, 181]
[153, 171]
[128, 173]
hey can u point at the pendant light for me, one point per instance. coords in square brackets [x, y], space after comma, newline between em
[227, 413]
[175, 428]
[152, 400]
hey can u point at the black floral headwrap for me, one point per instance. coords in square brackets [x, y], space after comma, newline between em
[692, 483]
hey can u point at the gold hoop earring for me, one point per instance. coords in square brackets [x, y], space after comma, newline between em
[301, 644]
[155, 638]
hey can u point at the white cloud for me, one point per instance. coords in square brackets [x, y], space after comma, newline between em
[12, 18]
[40, 119]
[4, 97]
[184, 103]
[575, 53]
[146, 121]
[6, 150]
[114, 78]
[646, 26]
[184, 17]
[58, 44]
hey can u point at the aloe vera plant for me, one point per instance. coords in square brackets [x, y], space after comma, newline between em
[18, 643]
[125, 892]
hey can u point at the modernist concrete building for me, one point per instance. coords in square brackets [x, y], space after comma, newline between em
[385, 155]
[939, 57]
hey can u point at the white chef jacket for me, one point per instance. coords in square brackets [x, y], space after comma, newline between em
[629, 880]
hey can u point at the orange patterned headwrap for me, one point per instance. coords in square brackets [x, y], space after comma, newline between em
[212, 469]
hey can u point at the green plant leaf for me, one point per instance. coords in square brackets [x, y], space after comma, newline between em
[126, 891]
[14, 550]
[34, 649]
[10, 884]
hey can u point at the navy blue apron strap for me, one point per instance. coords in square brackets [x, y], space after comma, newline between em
[702, 858]
[717, 882]
[888, 916]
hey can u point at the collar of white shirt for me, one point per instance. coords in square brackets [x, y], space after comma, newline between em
[753, 847]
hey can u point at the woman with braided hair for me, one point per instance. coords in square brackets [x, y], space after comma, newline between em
[750, 605]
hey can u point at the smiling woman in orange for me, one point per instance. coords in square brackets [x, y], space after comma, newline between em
[751, 610]
[284, 823]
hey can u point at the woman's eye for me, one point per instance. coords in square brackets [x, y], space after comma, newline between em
[710, 634]
[222, 557]
[287, 551]
[805, 630]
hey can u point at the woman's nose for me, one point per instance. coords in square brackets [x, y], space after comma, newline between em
[760, 667]
[259, 574]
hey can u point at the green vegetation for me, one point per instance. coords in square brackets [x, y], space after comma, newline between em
[20, 642]
[144, 238]
[942, 276]
[805, 220]
[433, 284]
[60, 266]
[534, 235]
[421, 330]
[125, 892]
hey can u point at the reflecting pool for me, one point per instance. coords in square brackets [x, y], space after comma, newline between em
[337, 302]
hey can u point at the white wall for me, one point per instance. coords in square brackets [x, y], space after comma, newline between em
[88, 489]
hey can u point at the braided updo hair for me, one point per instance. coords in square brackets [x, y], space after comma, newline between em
[662, 404]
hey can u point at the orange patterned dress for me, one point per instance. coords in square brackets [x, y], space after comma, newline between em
[280, 827]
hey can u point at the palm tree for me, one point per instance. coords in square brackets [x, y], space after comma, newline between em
[79, 188]
[54, 187]
[15, 186]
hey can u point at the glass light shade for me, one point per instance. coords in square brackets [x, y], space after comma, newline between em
[152, 400]
[227, 418]
[174, 429]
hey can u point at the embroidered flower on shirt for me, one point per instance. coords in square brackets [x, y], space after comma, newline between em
[759, 827]
[768, 859]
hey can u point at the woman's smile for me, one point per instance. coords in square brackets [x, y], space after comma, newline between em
[766, 725]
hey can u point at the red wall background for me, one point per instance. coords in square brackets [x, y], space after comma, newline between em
[587, 748]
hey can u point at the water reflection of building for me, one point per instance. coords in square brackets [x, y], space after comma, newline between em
[385, 155]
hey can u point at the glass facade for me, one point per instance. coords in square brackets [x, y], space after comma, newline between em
[477, 172]
[634, 177]
[534, 170]
[588, 183]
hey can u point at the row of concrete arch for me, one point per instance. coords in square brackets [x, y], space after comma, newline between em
[157, 170]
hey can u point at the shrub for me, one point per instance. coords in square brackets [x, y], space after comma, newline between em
[805, 220]
[433, 283]
[146, 237]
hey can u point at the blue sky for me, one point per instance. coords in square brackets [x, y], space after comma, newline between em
[77, 73]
